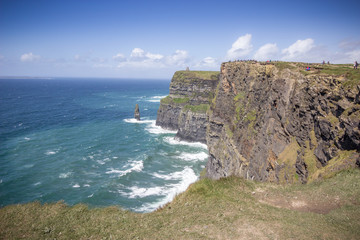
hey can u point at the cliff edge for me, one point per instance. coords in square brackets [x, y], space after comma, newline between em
[275, 122]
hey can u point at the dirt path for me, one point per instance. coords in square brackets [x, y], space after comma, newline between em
[298, 201]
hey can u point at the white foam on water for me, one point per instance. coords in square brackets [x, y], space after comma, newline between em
[76, 186]
[169, 191]
[65, 175]
[135, 166]
[133, 120]
[100, 162]
[137, 192]
[173, 176]
[27, 139]
[152, 128]
[38, 183]
[90, 196]
[28, 165]
[50, 152]
[193, 157]
[174, 141]
[86, 185]
[159, 97]
[156, 98]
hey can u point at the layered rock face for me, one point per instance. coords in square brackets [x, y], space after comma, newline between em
[191, 93]
[271, 123]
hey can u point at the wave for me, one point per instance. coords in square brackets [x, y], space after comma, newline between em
[133, 120]
[152, 128]
[76, 186]
[169, 191]
[65, 175]
[50, 152]
[159, 97]
[156, 98]
[193, 157]
[136, 166]
[174, 141]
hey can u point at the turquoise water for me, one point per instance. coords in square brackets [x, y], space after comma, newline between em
[76, 140]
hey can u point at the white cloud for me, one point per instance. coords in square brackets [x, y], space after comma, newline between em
[138, 54]
[80, 58]
[139, 58]
[353, 55]
[119, 57]
[298, 50]
[349, 44]
[154, 56]
[29, 57]
[179, 58]
[266, 52]
[240, 48]
[208, 63]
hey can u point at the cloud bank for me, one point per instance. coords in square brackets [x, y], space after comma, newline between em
[240, 48]
[266, 52]
[29, 57]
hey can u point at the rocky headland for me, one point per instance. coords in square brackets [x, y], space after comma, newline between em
[269, 121]
[185, 109]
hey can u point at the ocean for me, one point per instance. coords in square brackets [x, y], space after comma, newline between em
[76, 140]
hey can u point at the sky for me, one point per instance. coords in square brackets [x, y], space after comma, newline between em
[153, 39]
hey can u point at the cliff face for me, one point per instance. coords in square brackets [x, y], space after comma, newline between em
[274, 123]
[269, 122]
[191, 93]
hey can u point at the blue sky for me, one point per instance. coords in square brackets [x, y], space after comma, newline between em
[152, 39]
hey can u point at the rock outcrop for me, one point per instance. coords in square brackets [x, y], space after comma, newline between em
[268, 122]
[273, 123]
[191, 93]
[137, 112]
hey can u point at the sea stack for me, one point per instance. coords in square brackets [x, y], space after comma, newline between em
[137, 112]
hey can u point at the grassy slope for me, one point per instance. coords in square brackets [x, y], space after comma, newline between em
[190, 75]
[230, 208]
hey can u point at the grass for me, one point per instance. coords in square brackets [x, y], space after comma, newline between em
[190, 75]
[170, 100]
[231, 208]
[350, 75]
[201, 108]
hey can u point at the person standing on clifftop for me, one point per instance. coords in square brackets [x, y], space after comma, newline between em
[356, 65]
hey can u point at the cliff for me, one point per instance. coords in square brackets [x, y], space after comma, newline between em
[191, 93]
[274, 122]
[269, 122]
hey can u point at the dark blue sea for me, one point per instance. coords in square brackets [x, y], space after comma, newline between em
[76, 140]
